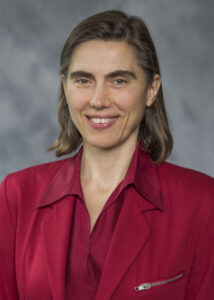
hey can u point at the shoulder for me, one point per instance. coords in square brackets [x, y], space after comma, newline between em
[33, 180]
[186, 186]
[43, 171]
[182, 175]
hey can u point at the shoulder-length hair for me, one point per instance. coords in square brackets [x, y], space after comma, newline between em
[113, 25]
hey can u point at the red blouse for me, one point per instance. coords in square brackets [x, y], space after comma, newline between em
[163, 235]
[87, 251]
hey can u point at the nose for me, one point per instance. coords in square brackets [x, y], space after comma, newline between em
[100, 98]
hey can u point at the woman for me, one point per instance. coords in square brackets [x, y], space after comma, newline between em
[114, 221]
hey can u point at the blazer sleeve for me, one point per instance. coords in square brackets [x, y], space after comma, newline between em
[200, 285]
[8, 287]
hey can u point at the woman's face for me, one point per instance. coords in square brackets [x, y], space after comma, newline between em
[107, 93]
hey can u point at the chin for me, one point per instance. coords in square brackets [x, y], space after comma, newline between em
[104, 144]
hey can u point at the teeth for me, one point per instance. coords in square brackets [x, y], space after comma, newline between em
[101, 121]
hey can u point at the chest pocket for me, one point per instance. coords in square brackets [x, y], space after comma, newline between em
[150, 285]
[164, 288]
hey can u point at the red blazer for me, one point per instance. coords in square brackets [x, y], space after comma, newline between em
[159, 249]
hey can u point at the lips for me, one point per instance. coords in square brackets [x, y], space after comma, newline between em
[101, 122]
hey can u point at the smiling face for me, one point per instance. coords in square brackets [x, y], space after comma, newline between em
[107, 92]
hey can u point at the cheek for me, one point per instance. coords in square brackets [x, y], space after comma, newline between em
[132, 102]
[76, 100]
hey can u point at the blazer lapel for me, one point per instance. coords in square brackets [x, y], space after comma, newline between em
[130, 235]
[55, 234]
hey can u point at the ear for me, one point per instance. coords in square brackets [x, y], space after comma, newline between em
[63, 79]
[153, 90]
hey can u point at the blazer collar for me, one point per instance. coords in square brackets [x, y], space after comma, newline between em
[147, 181]
[65, 182]
[142, 173]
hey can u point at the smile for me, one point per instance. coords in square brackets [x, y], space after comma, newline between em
[101, 120]
[101, 123]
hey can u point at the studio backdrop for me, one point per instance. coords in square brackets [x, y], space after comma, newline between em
[32, 34]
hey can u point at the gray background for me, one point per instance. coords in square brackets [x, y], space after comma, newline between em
[32, 34]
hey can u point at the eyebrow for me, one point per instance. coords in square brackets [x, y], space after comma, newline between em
[121, 73]
[113, 74]
[80, 73]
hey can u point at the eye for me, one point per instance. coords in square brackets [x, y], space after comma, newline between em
[120, 81]
[82, 81]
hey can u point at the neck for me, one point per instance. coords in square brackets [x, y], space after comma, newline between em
[106, 168]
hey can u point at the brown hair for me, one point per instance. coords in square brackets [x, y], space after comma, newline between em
[114, 25]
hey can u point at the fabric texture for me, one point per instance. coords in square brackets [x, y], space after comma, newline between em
[164, 234]
[87, 251]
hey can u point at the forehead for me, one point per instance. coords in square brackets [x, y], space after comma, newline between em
[103, 55]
